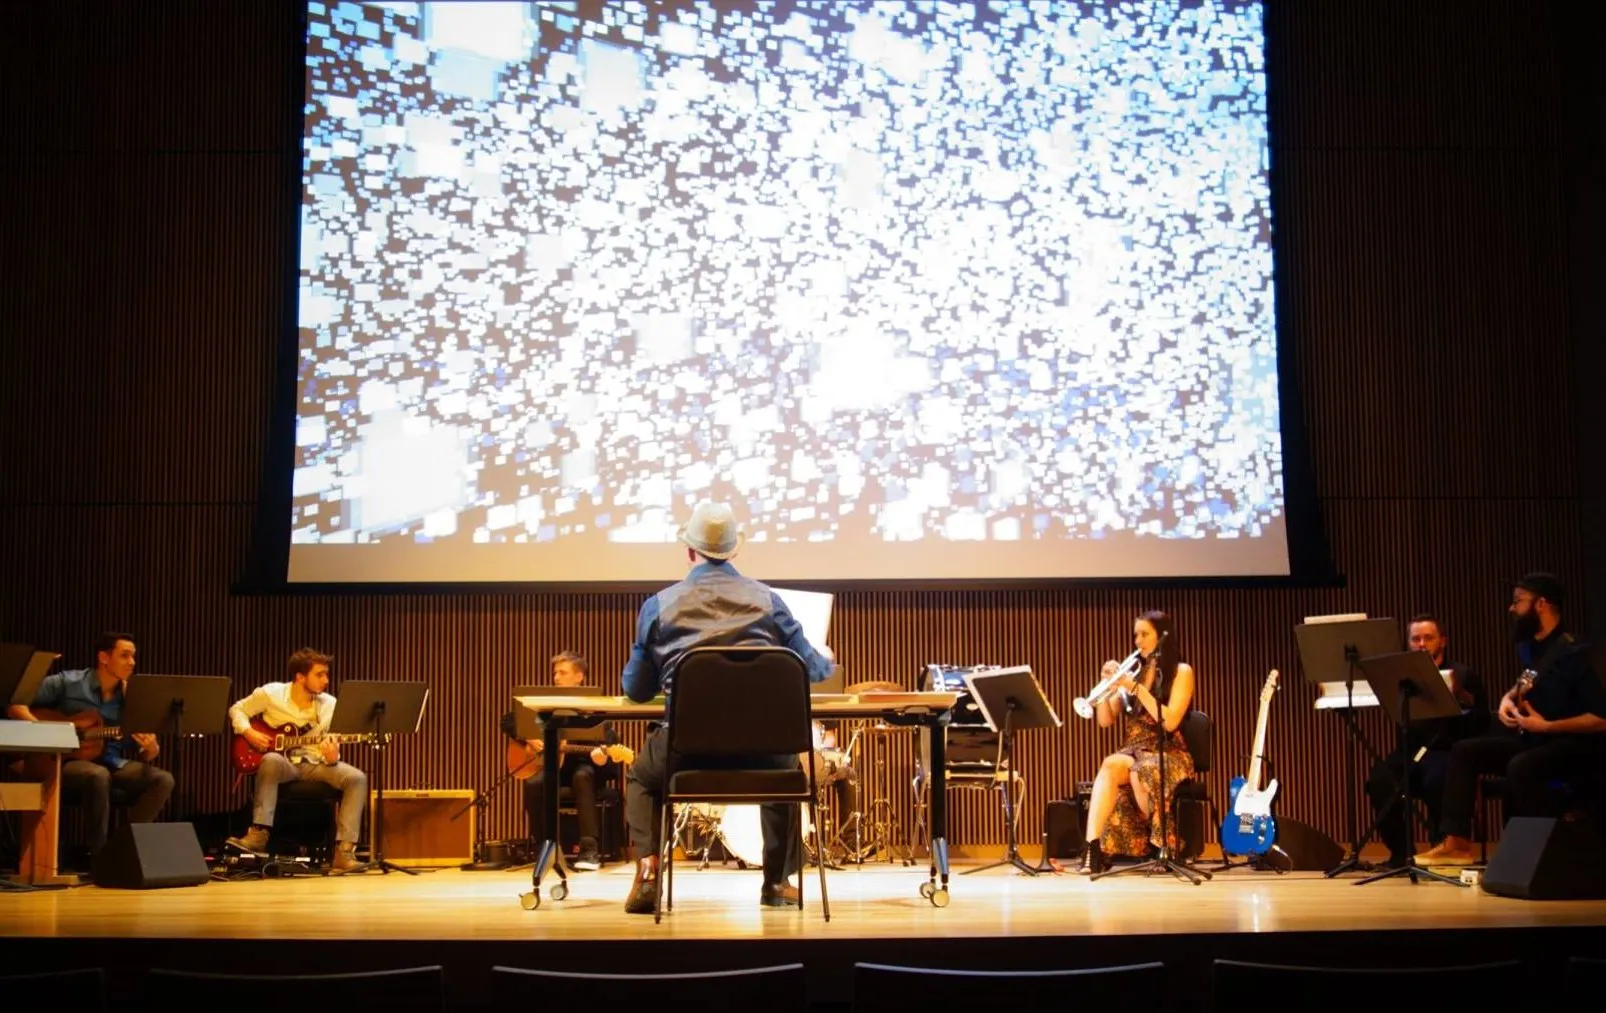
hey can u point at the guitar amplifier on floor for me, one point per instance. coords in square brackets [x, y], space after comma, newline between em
[419, 829]
[1065, 823]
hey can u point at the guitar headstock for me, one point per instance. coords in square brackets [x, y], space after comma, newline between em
[1270, 687]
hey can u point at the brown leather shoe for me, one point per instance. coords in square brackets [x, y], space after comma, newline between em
[345, 859]
[643, 896]
[778, 895]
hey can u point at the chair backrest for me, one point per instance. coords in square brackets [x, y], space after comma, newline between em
[779, 989]
[408, 988]
[730, 701]
[84, 989]
[878, 987]
[1586, 979]
[1474, 986]
[1199, 733]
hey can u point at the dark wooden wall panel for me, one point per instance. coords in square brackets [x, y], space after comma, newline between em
[1418, 160]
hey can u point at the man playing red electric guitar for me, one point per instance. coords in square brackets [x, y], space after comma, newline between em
[303, 704]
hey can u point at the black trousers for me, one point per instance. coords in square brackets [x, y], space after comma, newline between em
[582, 781]
[644, 790]
[1529, 762]
[1428, 776]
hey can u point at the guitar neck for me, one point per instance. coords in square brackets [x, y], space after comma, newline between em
[102, 732]
[1260, 745]
[293, 741]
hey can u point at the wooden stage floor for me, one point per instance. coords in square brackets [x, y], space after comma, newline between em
[469, 921]
[873, 902]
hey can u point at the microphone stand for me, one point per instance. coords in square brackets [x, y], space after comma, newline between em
[479, 863]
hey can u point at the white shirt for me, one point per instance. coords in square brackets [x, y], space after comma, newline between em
[273, 703]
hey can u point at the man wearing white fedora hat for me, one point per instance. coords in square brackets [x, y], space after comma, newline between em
[713, 605]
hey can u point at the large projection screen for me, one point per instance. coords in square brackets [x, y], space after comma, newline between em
[925, 291]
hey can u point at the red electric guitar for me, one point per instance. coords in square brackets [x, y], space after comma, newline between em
[246, 758]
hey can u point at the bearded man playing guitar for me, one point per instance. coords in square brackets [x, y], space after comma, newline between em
[1554, 722]
[304, 706]
[577, 770]
[92, 699]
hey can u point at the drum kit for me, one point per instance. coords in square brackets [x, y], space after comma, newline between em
[855, 836]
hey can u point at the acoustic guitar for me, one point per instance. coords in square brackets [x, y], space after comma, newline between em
[247, 758]
[93, 732]
[525, 760]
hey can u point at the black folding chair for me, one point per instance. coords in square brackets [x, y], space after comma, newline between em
[780, 989]
[730, 705]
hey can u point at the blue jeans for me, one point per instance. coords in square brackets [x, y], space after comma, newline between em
[348, 780]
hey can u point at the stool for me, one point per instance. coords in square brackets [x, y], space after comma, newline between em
[305, 820]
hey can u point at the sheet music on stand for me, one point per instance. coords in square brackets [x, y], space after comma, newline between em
[811, 609]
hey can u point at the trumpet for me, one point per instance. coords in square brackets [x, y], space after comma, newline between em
[1083, 705]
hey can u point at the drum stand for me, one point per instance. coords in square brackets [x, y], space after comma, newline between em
[877, 831]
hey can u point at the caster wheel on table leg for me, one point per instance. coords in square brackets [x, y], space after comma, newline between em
[529, 901]
[560, 891]
[927, 889]
[939, 898]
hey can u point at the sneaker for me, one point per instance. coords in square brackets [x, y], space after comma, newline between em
[778, 895]
[588, 860]
[345, 859]
[643, 897]
[255, 841]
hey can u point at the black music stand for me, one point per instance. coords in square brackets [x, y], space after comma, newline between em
[182, 706]
[1411, 690]
[1332, 652]
[1013, 694]
[380, 709]
[22, 669]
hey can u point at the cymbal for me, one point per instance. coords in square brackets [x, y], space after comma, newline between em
[874, 686]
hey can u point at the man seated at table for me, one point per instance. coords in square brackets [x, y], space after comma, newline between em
[713, 606]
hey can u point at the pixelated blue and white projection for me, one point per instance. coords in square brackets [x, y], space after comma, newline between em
[923, 289]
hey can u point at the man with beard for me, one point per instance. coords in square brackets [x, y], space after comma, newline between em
[1554, 718]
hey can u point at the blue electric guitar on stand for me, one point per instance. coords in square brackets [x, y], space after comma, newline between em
[1249, 827]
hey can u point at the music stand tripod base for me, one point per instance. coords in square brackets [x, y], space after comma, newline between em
[1398, 679]
[380, 709]
[1014, 694]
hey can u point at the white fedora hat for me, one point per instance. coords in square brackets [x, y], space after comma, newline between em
[713, 531]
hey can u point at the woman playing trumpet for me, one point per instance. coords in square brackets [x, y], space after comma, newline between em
[1158, 692]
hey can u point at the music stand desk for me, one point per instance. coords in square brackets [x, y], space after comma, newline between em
[178, 705]
[932, 710]
[1331, 652]
[43, 744]
[22, 669]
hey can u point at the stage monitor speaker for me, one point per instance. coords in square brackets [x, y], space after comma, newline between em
[1300, 847]
[1548, 859]
[146, 856]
